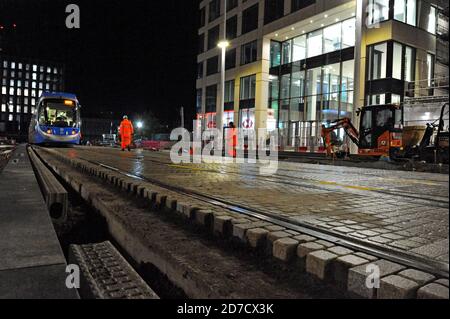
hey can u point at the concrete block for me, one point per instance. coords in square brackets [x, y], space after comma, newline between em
[160, 200]
[236, 221]
[358, 276]
[433, 291]
[223, 225]
[318, 263]
[304, 238]
[256, 237]
[272, 237]
[341, 267]
[204, 218]
[340, 251]
[397, 287]
[325, 243]
[274, 228]
[285, 249]
[420, 277]
[443, 282]
[304, 249]
[239, 230]
[171, 203]
[366, 256]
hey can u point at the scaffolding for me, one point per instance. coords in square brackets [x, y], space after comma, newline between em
[424, 100]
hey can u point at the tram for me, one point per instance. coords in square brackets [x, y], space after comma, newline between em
[56, 120]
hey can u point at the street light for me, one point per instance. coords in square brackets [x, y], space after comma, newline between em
[140, 125]
[223, 44]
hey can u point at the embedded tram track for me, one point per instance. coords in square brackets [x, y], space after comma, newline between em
[434, 201]
[415, 261]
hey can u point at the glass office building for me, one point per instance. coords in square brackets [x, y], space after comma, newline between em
[22, 82]
[293, 65]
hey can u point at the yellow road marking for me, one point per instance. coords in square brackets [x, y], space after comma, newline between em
[362, 188]
[186, 167]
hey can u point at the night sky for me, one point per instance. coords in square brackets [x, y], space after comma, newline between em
[129, 55]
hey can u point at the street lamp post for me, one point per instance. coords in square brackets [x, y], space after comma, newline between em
[223, 44]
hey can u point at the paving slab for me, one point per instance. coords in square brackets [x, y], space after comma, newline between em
[31, 254]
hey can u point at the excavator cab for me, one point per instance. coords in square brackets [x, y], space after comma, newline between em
[381, 130]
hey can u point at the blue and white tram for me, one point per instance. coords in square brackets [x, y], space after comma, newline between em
[56, 120]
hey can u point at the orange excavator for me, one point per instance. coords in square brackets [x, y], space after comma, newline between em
[380, 132]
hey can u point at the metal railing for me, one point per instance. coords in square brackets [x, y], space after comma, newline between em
[427, 91]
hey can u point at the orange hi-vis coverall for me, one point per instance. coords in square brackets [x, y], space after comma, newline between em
[126, 133]
[232, 141]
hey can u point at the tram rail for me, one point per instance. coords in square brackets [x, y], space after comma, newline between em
[411, 260]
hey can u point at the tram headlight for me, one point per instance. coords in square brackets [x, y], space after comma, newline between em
[49, 131]
[74, 132]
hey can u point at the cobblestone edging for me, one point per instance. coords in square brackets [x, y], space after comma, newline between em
[322, 260]
[105, 274]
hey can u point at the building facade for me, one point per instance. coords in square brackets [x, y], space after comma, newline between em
[22, 83]
[293, 65]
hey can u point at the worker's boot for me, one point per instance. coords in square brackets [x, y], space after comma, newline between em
[129, 149]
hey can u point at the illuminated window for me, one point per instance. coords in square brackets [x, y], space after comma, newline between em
[432, 20]
[332, 38]
[378, 11]
[409, 64]
[299, 48]
[397, 61]
[348, 33]
[275, 53]
[395, 99]
[405, 11]
[315, 43]
[248, 87]
[430, 69]
[249, 52]
[378, 60]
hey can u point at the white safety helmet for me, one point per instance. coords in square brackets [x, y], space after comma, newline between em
[125, 117]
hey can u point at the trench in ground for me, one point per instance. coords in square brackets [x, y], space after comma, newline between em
[86, 226]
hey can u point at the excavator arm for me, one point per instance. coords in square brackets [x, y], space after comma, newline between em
[348, 127]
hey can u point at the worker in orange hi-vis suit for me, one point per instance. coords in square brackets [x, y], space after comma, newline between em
[126, 133]
[232, 140]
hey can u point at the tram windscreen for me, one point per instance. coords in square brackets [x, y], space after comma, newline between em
[58, 113]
